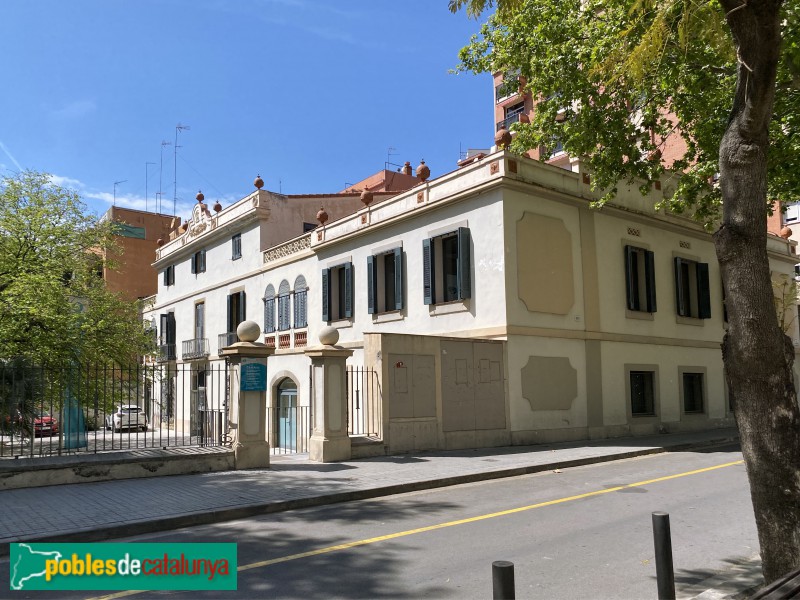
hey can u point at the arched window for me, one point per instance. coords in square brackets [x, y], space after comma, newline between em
[284, 290]
[300, 307]
[269, 309]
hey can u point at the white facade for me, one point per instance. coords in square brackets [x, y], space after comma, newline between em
[541, 342]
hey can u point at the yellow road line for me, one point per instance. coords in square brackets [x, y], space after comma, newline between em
[391, 536]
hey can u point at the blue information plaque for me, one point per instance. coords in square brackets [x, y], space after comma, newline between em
[253, 377]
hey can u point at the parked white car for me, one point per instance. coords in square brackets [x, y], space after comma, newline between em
[127, 416]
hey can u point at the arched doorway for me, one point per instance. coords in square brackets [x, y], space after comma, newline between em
[287, 415]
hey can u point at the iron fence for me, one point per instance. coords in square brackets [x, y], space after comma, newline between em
[74, 409]
[363, 402]
[288, 429]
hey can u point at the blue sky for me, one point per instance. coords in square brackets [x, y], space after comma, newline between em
[310, 94]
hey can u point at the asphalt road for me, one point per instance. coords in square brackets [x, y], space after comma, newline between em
[581, 533]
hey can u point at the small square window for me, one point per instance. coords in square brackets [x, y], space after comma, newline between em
[642, 393]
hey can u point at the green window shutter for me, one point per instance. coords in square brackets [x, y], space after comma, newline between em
[398, 279]
[194, 263]
[326, 295]
[650, 280]
[631, 289]
[202, 268]
[242, 307]
[464, 264]
[372, 285]
[428, 275]
[680, 305]
[703, 292]
[348, 290]
[231, 326]
[171, 328]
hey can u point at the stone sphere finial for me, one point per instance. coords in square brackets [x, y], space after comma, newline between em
[406, 170]
[322, 216]
[258, 182]
[217, 206]
[160, 242]
[423, 172]
[328, 336]
[248, 331]
[786, 233]
[200, 196]
[367, 197]
[502, 138]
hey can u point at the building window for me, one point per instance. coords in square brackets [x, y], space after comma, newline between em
[199, 262]
[300, 302]
[693, 393]
[236, 247]
[337, 292]
[446, 267]
[691, 289]
[166, 343]
[512, 114]
[642, 393]
[169, 275]
[640, 279]
[199, 320]
[269, 309]
[236, 312]
[309, 227]
[385, 282]
[284, 320]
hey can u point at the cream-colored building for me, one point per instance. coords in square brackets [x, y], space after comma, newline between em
[490, 306]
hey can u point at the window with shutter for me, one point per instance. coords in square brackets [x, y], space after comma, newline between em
[269, 309]
[640, 282]
[692, 293]
[447, 267]
[337, 292]
[284, 321]
[300, 309]
[236, 247]
[385, 282]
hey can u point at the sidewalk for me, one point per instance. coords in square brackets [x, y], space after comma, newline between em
[102, 510]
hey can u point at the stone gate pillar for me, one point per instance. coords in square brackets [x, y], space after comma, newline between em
[248, 397]
[330, 441]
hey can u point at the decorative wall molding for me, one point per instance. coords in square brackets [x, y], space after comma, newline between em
[292, 247]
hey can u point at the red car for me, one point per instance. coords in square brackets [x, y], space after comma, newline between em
[44, 424]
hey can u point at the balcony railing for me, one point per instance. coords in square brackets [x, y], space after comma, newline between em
[300, 339]
[269, 341]
[284, 340]
[166, 352]
[508, 121]
[226, 339]
[196, 348]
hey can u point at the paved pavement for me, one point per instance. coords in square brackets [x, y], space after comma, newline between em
[102, 510]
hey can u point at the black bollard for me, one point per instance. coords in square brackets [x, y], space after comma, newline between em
[665, 575]
[503, 580]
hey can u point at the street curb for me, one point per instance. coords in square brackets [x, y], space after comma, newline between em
[145, 526]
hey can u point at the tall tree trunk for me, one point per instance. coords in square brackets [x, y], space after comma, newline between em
[757, 354]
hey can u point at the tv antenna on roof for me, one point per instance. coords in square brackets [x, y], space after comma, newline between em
[390, 152]
[178, 128]
[116, 183]
[160, 171]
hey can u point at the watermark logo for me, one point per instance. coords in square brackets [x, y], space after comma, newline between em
[123, 566]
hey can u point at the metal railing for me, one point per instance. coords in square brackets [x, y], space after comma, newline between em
[80, 409]
[364, 402]
[166, 352]
[508, 121]
[288, 429]
[196, 348]
[226, 339]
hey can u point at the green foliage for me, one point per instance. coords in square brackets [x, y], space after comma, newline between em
[629, 74]
[53, 306]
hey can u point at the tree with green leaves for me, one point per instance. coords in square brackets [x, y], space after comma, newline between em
[54, 307]
[723, 75]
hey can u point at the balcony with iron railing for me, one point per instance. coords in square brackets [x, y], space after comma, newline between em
[166, 352]
[196, 348]
[508, 121]
[226, 339]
